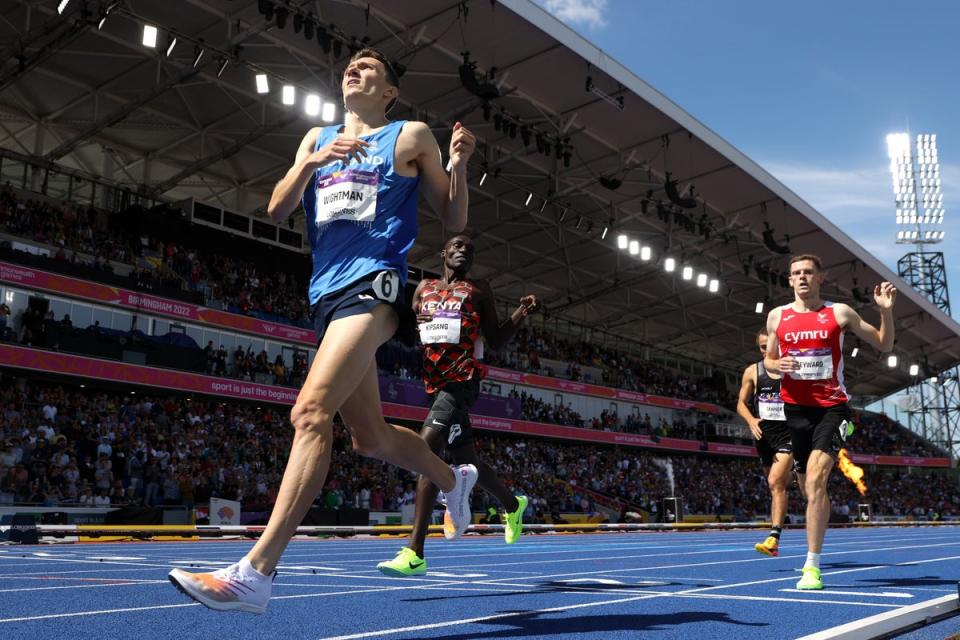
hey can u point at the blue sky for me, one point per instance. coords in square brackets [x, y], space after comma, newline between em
[809, 90]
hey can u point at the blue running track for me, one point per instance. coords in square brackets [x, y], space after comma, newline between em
[705, 585]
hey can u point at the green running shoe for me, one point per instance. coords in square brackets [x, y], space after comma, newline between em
[811, 580]
[407, 563]
[514, 526]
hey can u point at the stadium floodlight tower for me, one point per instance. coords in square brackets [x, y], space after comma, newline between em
[935, 410]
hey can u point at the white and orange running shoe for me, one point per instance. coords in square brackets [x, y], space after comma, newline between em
[228, 589]
[457, 517]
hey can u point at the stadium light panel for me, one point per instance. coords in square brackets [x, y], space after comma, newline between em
[645, 253]
[329, 112]
[622, 241]
[289, 95]
[714, 285]
[892, 361]
[702, 280]
[687, 273]
[634, 247]
[263, 85]
[669, 265]
[914, 369]
[312, 105]
[149, 36]
[758, 308]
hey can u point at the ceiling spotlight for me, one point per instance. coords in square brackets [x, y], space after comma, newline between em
[563, 216]
[702, 280]
[483, 178]
[329, 112]
[62, 6]
[645, 253]
[263, 85]
[856, 350]
[198, 54]
[714, 285]
[758, 308]
[622, 241]
[173, 43]
[634, 247]
[312, 105]
[223, 66]
[289, 94]
[669, 265]
[149, 36]
[687, 273]
[603, 236]
[891, 361]
[529, 198]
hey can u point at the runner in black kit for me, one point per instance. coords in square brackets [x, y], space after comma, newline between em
[452, 313]
[761, 407]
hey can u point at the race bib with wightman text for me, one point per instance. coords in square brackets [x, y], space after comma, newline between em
[349, 195]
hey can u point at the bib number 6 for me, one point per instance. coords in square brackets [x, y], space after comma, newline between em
[386, 286]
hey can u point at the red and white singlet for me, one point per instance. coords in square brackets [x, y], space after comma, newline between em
[815, 340]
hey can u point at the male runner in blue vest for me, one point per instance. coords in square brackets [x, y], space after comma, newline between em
[359, 184]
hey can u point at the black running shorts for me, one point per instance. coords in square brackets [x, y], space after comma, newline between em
[450, 412]
[380, 287]
[816, 428]
[776, 439]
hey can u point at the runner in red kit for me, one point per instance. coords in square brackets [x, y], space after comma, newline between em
[453, 312]
[805, 345]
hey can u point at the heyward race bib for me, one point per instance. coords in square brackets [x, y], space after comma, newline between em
[815, 364]
[349, 195]
[443, 328]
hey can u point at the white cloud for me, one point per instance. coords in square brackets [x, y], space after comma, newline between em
[588, 13]
[860, 202]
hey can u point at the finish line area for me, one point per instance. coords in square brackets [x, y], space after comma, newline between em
[675, 584]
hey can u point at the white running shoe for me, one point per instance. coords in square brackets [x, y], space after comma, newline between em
[225, 589]
[457, 517]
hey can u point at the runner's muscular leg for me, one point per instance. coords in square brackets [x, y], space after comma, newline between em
[335, 373]
[426, 494]
[374, 437]
[777, 478]
[818, 502]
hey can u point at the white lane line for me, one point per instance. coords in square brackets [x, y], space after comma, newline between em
[87, 586]
[51, 616]
[865, 594]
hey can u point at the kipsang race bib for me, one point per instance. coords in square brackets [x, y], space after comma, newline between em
[815, 364]
[443, 328]
[350, 194]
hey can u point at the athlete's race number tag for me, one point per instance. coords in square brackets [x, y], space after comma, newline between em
[386, 285]
[443, 328]
[349, 195]
[815, 364]
[771, 408]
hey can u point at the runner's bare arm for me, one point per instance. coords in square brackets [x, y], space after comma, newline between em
[415, 303]
[289, 191]
[498, 333]
[447, 194]
[880, 339]
[772, 360]
[747, 386]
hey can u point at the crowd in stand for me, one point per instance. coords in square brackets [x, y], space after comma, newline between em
[77, 447]
[237, 285]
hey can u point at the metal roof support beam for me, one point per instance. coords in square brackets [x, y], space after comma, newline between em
[202, 163]
[119, 114]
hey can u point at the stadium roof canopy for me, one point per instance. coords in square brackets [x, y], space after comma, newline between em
[98, 100]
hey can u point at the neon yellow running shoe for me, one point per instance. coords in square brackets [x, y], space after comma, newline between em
[769, 547]
[811, 580]
[407, 563]
[514, 526]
